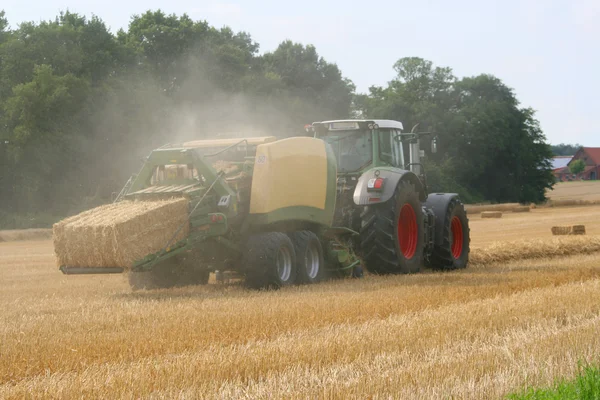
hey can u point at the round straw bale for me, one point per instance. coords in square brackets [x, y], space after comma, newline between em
[491, 214]
[521, 209]
[532, 205]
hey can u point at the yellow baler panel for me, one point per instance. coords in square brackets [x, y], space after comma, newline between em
[290, 172]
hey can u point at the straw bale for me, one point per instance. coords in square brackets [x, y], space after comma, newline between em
[561, 230]
[491, 214]
[501, 252]
[116, 235]
[568, 230]
[521, 209]
[478, 208]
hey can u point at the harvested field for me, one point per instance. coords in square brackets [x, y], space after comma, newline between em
[25, 234]
[471, 334]
[578, 190]
[536, 224]
[116, 235]
[564, 194]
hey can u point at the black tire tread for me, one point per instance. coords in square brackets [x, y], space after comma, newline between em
[441, 257]
[176, 272]
[378, 245]
[301, 240]
[260, 259]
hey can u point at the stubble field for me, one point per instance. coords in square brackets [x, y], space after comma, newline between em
[478, 333]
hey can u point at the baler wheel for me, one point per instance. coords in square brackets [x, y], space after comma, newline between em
[175, 272]
[270, 261]
[309, 254]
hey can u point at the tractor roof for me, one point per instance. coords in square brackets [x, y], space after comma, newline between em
[252, 141]
[383, 123]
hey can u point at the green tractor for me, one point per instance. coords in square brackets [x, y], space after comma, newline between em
[382, 194]
[298, 210]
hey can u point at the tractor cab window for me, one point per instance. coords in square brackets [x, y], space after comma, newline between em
[352, 148]
[390, 147]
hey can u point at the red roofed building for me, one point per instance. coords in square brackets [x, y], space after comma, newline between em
[591, 157]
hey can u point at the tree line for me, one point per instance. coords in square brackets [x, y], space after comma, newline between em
[81, 106]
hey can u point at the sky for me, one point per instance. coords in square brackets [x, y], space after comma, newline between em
[548, 52]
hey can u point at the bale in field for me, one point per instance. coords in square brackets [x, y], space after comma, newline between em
[116, 235]
[561, 230]
[491, 214]
[478, 208]
[568, 230]
[521, 209]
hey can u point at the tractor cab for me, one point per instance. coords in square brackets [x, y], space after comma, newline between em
[362, 144]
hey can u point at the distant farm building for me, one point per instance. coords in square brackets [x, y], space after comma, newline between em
[591, 158]
[560, 168]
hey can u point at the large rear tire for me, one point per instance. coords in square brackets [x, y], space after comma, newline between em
[309, 255]
[270, 261]
[455, 248]
[176, 272]
[392, 234]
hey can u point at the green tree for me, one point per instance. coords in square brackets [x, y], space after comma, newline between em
[310, 88]
[563, 149]
[487, 144]
[577, 166]
[41, 120]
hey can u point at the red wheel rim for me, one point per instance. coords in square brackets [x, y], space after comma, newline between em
[408, 231]
[457, 237]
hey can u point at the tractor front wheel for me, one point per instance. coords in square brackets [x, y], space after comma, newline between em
[270, 261]
[392, 234]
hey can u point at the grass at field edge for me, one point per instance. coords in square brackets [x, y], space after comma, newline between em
[585, 386]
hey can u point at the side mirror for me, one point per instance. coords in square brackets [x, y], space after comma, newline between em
[434, 144]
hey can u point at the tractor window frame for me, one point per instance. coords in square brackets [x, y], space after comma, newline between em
[393, 151]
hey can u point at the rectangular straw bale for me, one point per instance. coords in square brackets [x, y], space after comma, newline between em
[568, 230]
[561, 230]
[521, 209]
[118, 234]
[491, 214]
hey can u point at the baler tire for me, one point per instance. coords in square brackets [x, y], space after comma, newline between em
[168, 275]
[309, 256]
[261, 258]
[453, 254]
[380, 242]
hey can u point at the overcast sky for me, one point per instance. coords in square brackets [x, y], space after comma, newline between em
[547, 51]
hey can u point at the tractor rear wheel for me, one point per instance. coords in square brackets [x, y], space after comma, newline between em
[454, 251]
[309, 255]
[392, 234]
[270, 261]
